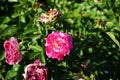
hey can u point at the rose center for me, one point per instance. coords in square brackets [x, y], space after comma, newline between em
[56, 44]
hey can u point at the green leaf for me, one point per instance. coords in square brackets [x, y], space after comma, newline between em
[13, 0]
[6, 20]
[42, 58]
[109, 24]
[113, 38]
[1, 77]
[36, 48]
[10, 30]
[10, 74]
[14, 15]
[39, 52]
[90, 50]
[1, 56]
[30, 28]
[3, 26]
[16, 67]
[22, 19]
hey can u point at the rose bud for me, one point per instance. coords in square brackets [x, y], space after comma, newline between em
[12, 54]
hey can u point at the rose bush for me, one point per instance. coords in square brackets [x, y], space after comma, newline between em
[58, 45]
[93, 24]
[12, 53]
[35, 71]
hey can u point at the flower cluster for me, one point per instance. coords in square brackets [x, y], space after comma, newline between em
[12, 54]
[49, 16]
[35, 71]
[58, 45]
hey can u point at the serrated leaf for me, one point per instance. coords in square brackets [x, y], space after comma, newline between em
[113, 38]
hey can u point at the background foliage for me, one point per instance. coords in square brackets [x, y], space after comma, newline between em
[94, 25]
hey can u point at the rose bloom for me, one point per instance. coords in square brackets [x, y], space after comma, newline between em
[49, 16]
[58, 45]
[35, 71]
[12, 54]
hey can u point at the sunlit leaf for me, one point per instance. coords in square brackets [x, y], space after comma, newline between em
[3, 26]
[6, 20]
[22, 19]
[16, 67]
[13, 0]
[113, 38]
[14, 15]
[36, 48]
[10, 74]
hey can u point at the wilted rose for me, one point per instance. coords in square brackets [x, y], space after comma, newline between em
[50, 15]
[12, 54]
[58, 45]
[45, 18]
[35, 71]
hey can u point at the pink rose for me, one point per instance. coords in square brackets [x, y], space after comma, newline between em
[35, 71]
[58, 45]
[12, 54]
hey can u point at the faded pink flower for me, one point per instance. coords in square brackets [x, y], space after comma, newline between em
[35, 71]
[45, 18]
[58, 45]
[12, 54]
[85, 64]
[49, 16]
[81, 79]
